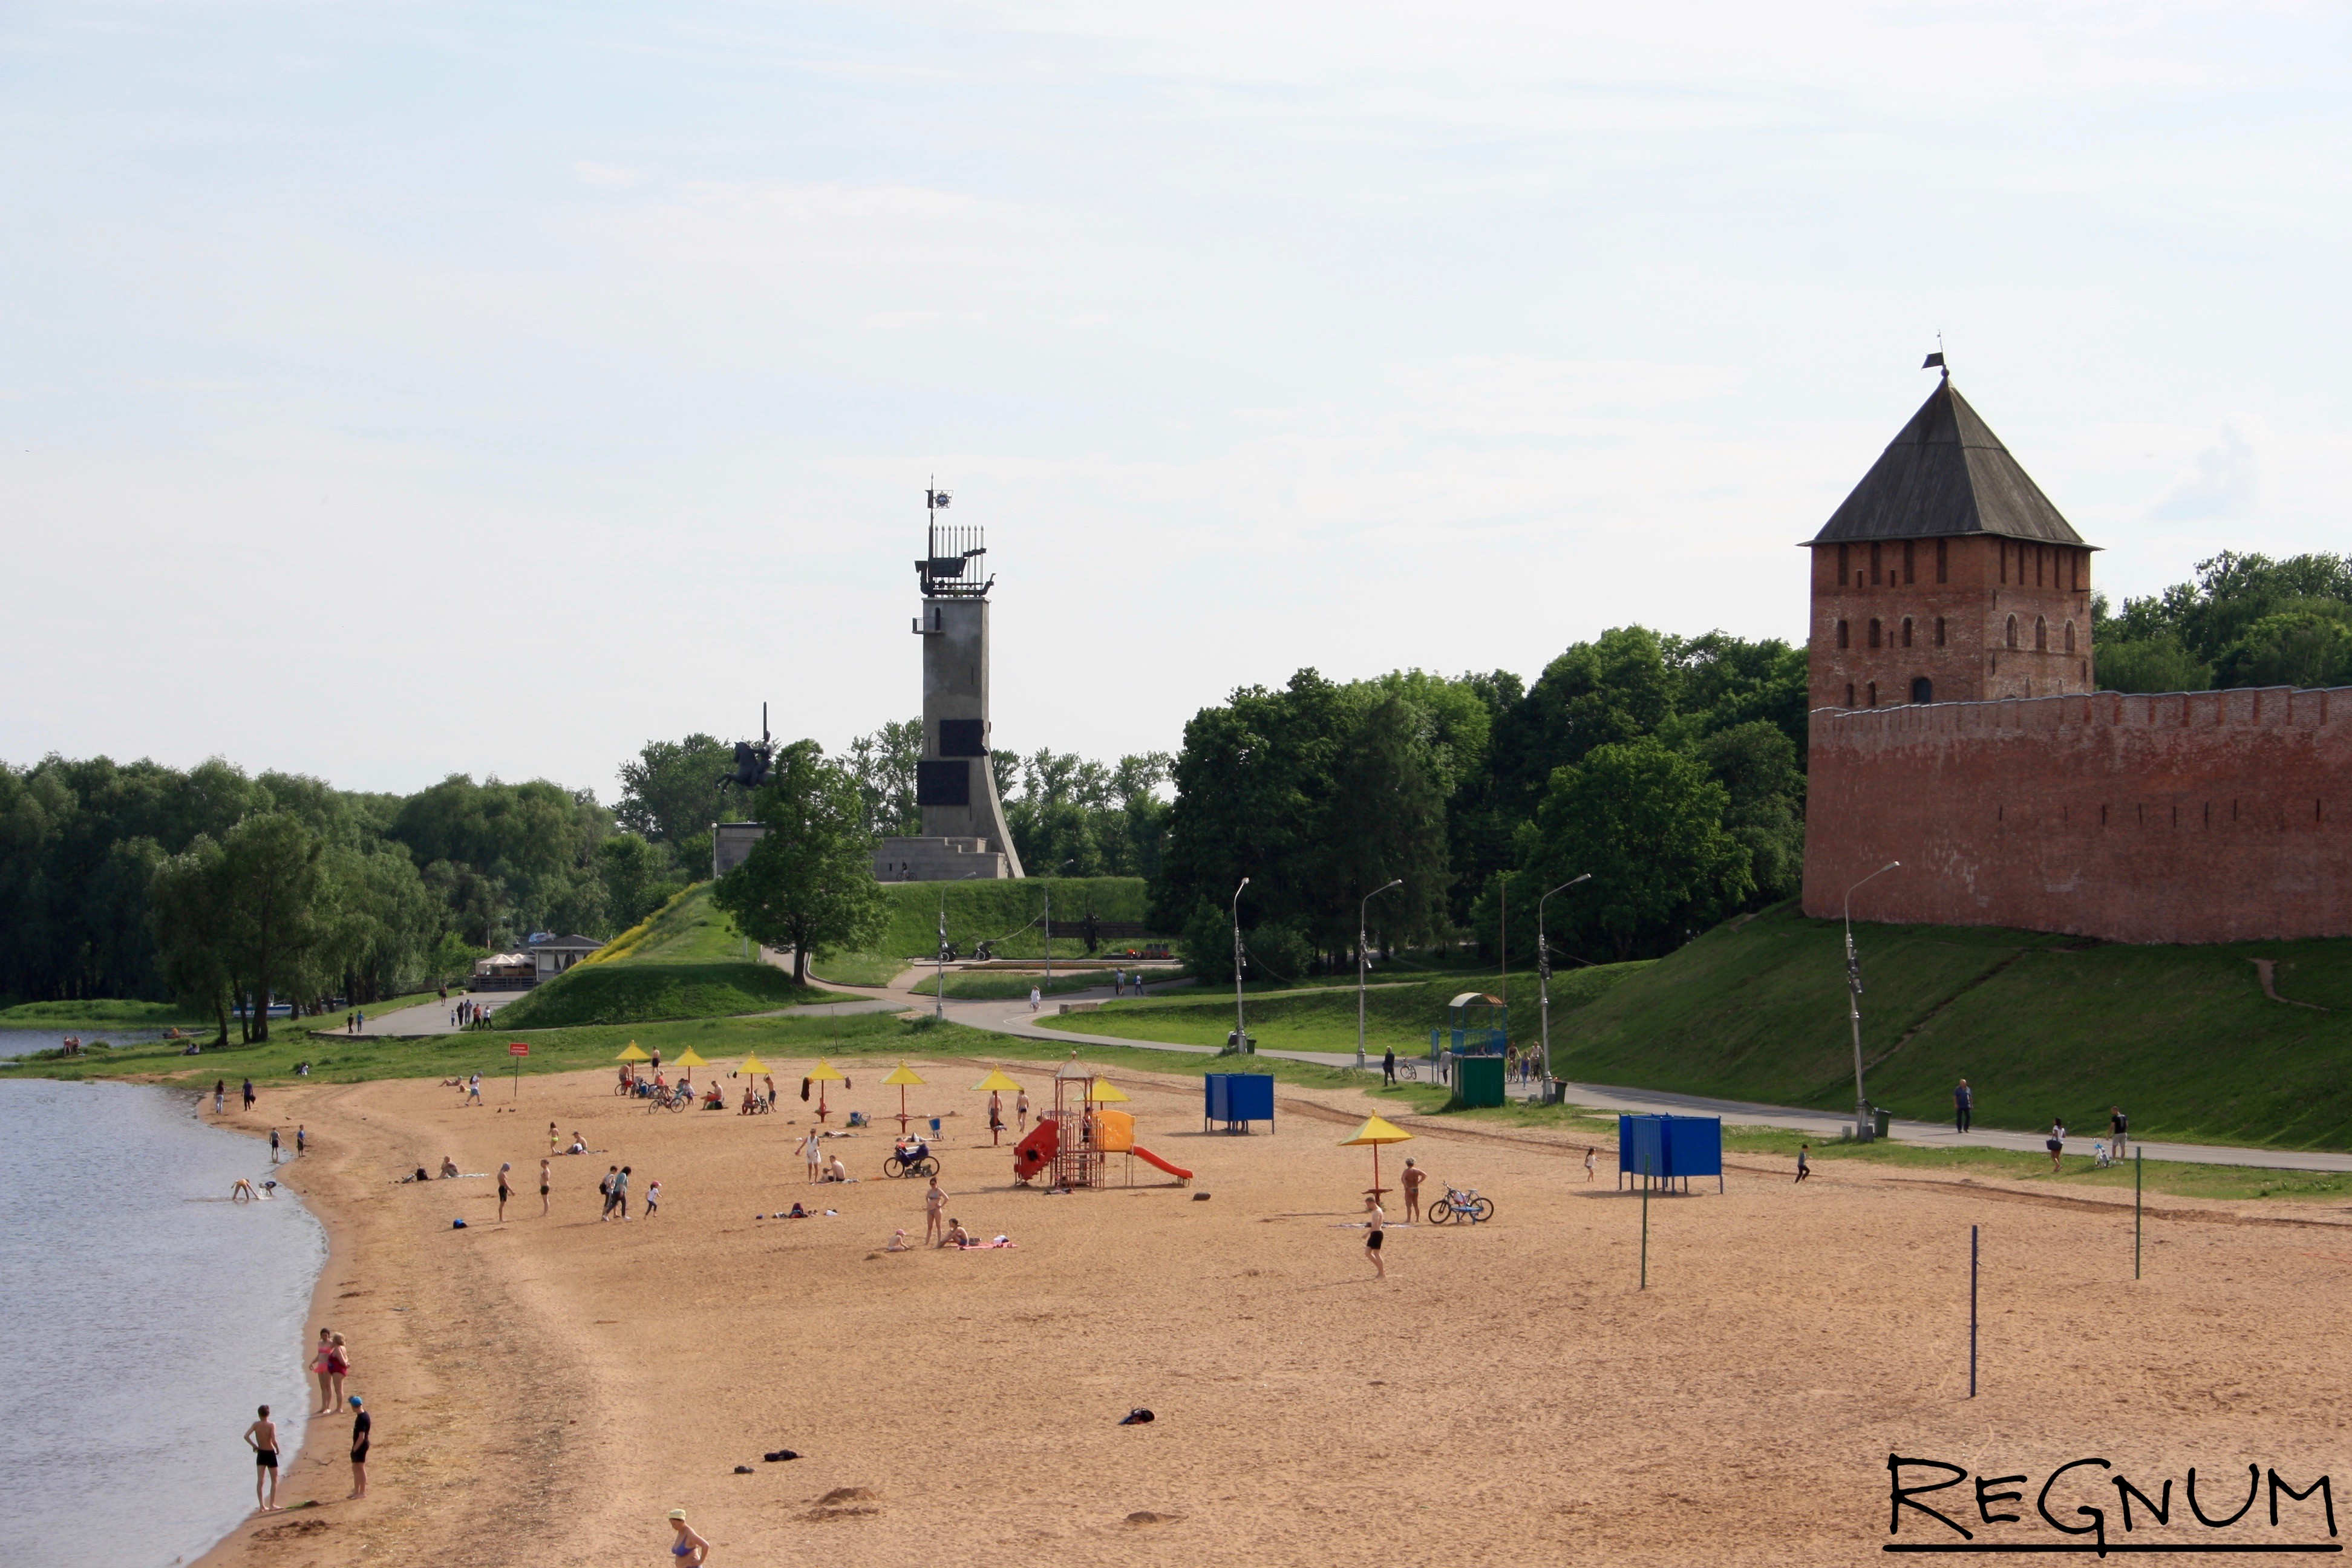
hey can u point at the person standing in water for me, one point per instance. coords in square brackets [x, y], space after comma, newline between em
[1375, 1232]
[362, 1426]
[262, 1438]
[273, 1145]
[687, 1549]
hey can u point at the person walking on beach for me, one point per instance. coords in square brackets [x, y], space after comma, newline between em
[262, 1438]
[544, 1183]
[686, 1549]
[2119, 1131]
[505, 1191]
[652, 1199]
[812, 1154]
[1375, 1232]
[1414, 1176]
[248, 1094]
[1964, 1105]
[553, 1143]
[2057, 1144]
[1804, 1161]
[323, 1371]
[1388, 1066]
[621, 1192]
[301, 1140]
[1592, 1158]
[273, 1145]
[605, 1191]
[1021, 1113]
[474, 1090]
[362, 1426]
[220, 1096]
[935, 1207]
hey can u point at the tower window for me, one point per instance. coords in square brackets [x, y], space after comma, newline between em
[1876, 577]
[2070, 637]
[1943, 561]
[2040, 634]
[1922, 690]
[1842, 642]
[1873, 694]
[1909, 573]
[2011, 638]
[1849, 693]
[1845, 578]
[1939, 631]
[1874, 632]
[1907, 631]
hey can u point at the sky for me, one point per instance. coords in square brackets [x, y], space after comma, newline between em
[392, 390]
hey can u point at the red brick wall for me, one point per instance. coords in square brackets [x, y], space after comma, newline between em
[2205, 816]
[1983, 582]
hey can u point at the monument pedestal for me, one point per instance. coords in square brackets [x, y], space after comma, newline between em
[940, 860]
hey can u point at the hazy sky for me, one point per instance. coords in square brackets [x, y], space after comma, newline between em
[392, 390]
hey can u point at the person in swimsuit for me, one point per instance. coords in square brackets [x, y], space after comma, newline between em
[995, 1115]
[362, 1425]
[690, 1549]
[956, 1236]
[273, 1146]
[505, 1191]
[935, 1206]
[338, 1366]
[322, 1372]
[553, 1143]
[301, 1140]
[1414, 1176]
[448, 1168]
[1020, 1112]
[835, 1170]
[1375, 1232]
[543, 1183]
[262, 1438]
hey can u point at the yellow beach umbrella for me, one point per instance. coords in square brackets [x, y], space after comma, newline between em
[688, 1058]
[996, 1081]
[1376, 1131]
[1102, 1092]
[633, 1055]
[825, 1073]
[902, 1076]
[752, 1066]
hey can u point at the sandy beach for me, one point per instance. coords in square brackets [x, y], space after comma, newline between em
[545, 1390]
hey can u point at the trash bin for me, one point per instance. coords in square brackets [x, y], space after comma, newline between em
[1555, 1092]
[1879, 1117]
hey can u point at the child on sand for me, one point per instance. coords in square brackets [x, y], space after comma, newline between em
[1590, 1157]
[1375, 1232]
[262, 1438]
[362, 1428]
[1804, 1161]
[898, 1242]
[653, 1198]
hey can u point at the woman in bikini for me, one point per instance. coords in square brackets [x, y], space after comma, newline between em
[690, 1549]
[321, 1370]
[339, 1367]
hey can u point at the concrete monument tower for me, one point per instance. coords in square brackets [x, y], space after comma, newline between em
[963, 822]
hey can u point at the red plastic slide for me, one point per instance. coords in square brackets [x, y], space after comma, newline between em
[1036, 1152]
[1149, 1158]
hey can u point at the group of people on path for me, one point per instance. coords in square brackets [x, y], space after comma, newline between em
[1964, 1108]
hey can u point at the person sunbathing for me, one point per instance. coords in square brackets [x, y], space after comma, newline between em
[449, 1167]
[957, 1236]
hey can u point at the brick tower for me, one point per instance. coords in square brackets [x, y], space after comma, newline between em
[1948, 576]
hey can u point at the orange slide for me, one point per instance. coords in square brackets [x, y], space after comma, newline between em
[1149, 1158]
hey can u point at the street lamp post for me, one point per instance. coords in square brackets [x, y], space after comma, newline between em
[1864, 1128]
[1241, 1036]
[1543, 971]
[1360, 906]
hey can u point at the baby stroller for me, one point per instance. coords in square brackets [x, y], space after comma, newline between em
[912, 1157]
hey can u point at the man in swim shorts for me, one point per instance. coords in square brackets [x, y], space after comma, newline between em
[1375, 1232]
[363, 1430]
[262, 1438]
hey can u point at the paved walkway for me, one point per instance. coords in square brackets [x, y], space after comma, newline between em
[1004, 1018]
[433, 1017]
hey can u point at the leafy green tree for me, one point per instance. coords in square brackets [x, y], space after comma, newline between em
[2205, 633]
[1646, 821]
[883, 764]
[638, 875]
[1764, 810]
[278, 915]
[670, 790]
[188, 902]
[2309, 646]
[385, 922]
[809, 882]
[1385, 818]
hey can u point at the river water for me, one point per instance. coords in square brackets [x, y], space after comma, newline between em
[150, 1316]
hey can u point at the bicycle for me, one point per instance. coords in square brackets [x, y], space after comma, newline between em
[1459, 1203]
[1408, 1072]
[672, 1098]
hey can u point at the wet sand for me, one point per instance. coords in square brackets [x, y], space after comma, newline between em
[546, 1390]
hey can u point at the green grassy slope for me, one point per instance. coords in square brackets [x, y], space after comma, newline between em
[1323, 1017]
[689, 964]
[2041, 1025]
[1006, 913]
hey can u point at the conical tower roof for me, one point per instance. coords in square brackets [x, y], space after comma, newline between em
[1946, 474]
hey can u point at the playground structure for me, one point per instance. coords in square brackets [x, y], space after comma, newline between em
[1079, 1096]
[1230, 1102]
[1657, 1151]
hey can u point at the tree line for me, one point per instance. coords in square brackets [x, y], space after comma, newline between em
[1671, 769]
[2247, 620]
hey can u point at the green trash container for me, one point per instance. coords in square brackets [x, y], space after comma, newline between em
[1478, 1081]
[1880, 1117]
